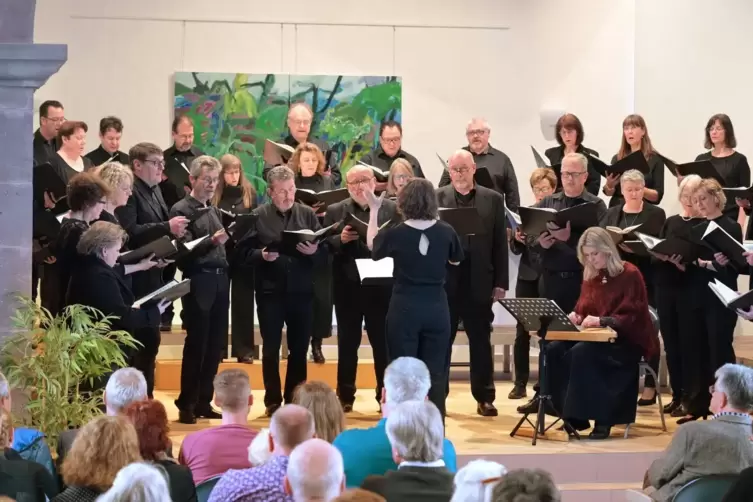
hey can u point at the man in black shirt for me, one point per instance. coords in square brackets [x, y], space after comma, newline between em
[481, 278]
[51, 117]
[284, 284]
[206, 305]
[110, 132]
[496, 162]
[356, 303]
[390, 149]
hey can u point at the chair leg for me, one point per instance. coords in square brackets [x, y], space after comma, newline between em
[658, 397]
[627, 430]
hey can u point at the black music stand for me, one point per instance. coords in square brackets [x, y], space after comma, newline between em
[541, 314]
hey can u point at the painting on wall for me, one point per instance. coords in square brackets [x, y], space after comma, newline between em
[236, 113]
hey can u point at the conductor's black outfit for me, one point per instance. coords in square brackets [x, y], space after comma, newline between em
[471, 284]
[205, 306]
[355, 303]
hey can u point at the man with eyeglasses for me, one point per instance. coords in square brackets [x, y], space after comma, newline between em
[562, 273]
[481, 278]
[356, 303]
[391, 148]
[145, 218]
[51, 117]
[284, 284]
[496, 162]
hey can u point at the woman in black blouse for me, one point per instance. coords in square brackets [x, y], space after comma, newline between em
[731, 165]
[635, 138]
[311, 173]
[418, 320]
[236, 195]
[633, 210]
[570, 138]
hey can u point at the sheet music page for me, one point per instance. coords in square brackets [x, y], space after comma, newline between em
[370, 269]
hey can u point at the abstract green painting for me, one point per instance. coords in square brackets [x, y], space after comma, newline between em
[236, 113]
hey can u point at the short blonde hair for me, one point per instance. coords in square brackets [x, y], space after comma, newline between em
[100, 236]
[633, 176]
[689, 182]
[115, 174]
[398, 166]
[6, 429]
[712, 188]
[599, 239]
[543, 173]
[231, 389]
[322, 402]
[102, 448]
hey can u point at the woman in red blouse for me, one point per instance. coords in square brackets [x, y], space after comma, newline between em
[599, 381]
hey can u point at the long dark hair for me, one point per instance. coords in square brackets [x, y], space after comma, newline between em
[729, 132]
[646, 148]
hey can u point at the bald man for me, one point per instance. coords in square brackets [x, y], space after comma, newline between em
[300, 119]
[289, 427]
[496, 162]
[356, 303]
[315, 472]
[481, 278]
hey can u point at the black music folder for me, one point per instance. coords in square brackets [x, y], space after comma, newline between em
[358, 225]
[739, 193]
[291, 238]
[534, 219]
[689, 251]
[703, 168]
[375, 273]
[732, 299]
[233, 192]
[170, 291]
[46, 178]
[465, 220]
[327, 197]
[277, 154]
[635, 160]
[201, 212]
[719, 240]
[160, 248]
[538, 313]
[177, 173]
[381, 176]
[241, 225]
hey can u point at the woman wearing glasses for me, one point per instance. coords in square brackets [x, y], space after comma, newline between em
[401, 172]
[570, 138]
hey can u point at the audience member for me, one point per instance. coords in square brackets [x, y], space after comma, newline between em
[124, 387]
[290, 426]
[101, 449]
[742, 490]
[526, 485]
[415, 430]
[322, 402]
[258, 450]
[476, 481]
[149, 417]
[138, 482]
[315, 472]
[22, 478]
[359, 495]
[214, 451]
[718, 446]
[367, 451]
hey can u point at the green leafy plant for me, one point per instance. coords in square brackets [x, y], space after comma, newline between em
[56, 359]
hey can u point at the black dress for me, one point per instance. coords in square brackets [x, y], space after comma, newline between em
[322, 275]
[735, 172]
[654, 180]
[418, 319]
[241, 282]
[56, 277]
[557, 153]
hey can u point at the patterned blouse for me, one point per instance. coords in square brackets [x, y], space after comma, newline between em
[257, 484]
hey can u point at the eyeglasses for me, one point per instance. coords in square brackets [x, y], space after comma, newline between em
[391, 141]
[716, 129]
[476, 132]
[571, 175]
[302, 122]
[58, 120]
[360, 181]
[156, 162]
[402, 177]
[541, 190]
[281, 191]
[459, 170]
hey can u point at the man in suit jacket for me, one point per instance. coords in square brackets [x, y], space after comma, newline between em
[145, 218]
[718, 446]
[356, 303]
[481, 278]
[416, 432]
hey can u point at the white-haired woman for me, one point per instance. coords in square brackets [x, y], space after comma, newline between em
[138, 482]
[599, 381]
[476, 481]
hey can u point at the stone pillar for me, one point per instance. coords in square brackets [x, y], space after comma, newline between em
[24, 67]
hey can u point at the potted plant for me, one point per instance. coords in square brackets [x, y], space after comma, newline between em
[56, 361]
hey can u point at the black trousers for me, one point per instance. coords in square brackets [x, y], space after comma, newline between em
[50, 289]
[144, 358]
[322, 301]
[34, 281]
[206, 314]
[354, 305]
[522, 347]
[673, 323]
[242, 312]
[295, 310]
[475, 315]
[694, 356]
[418, 325]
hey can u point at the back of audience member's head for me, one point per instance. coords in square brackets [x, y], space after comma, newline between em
[315, 472]
[526, 485]
[405, 379]
[322, 402]
[138, 482]
[6, 429]
[734, 382]
[124, 387]
[290, 426]
[102, 447]
[416, 432]
[232, 390]
[476, 481]
[259, 451]
[149, 417]
[5, 401]
[359, 495]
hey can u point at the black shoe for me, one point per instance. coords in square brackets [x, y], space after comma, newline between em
[270, 410]
[518, 392]
[316, 351]
[672, 406]
[532, 406]
[207, 412]
[648, 402]
[486, 410]
[166, 328]
[347, 407]
[690, 418]
[186, 417]
[680, 411]
[246, 360]
[600, 432]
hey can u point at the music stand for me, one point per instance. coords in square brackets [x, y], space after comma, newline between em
[541, 314]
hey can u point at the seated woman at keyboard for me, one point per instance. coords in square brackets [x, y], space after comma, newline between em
[599, 381]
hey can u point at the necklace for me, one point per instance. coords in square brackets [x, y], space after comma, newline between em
[635, 217]
[604, 280]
